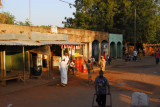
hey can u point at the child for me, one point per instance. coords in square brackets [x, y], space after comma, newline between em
[72, 67]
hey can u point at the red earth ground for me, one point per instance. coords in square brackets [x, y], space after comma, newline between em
[124, 77]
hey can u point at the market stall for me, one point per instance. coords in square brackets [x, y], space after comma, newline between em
[73, 48]
[15, 62]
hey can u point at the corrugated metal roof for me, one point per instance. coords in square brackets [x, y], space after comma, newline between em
[60, 43]
[20, 43]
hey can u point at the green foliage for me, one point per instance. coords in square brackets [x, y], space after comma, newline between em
[46, 25]
[117, 16]
[26, 23]
[7, 18]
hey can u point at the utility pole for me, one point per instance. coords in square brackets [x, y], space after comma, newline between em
[135, 38]
[30, 19]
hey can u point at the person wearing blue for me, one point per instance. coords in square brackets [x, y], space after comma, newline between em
[101, 84]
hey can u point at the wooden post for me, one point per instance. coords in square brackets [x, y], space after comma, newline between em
[135, 38]
[50, 62]
[1, 64]
[62, 53]
[4, 54]
[23, 65]
[49, 57]
[3, 59]
[71, 53]
[29, 63]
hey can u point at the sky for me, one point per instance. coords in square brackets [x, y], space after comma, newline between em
[43, 12]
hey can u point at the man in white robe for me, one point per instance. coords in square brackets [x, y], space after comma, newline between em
[66, 58]
[63, 71]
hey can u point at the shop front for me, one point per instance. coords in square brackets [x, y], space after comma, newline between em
[74, 50]
[15, 60]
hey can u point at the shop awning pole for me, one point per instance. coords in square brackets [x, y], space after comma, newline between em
[4, 63]
[71, 53]
[1, 64]
[29, 63]
[62, 53]
[23, 65]
[50, 57]
[3, 67]
[49, 64]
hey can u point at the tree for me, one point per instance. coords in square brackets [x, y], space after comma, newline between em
[46, 25]
[26, 23]
[7, 18]
[0, 3]
[117, 16]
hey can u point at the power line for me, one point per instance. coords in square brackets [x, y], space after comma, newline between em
[70, 4]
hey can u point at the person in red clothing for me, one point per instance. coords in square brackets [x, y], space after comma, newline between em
[157, 56]
[104, 55]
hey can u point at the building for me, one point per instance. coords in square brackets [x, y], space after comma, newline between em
[24, 47]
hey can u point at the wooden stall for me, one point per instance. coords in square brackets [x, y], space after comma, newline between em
[15, 62]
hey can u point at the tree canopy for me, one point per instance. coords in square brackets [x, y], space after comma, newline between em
[117, 16]
[8, 18]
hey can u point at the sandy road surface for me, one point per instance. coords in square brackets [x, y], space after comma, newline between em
[124, 77]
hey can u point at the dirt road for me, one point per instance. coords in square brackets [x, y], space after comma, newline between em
[124, 77]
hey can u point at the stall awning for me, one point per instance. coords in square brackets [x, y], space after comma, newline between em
[20, 43]
[60, 43]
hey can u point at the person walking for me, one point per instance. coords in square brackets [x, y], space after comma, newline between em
[89, 66]
[157, 57]
[63, 72]
[101, 84]
[104, 55]
[135, 54]
[102, 63]
[109, 59]
[140, 54]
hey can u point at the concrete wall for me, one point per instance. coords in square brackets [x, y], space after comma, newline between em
[75, 35]
[80, 35]
[85, 36]
[7, 28]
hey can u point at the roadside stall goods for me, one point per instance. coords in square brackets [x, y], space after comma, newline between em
[80, 64]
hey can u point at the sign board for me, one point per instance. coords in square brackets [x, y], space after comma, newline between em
[39, 59]
[54, 29]
[56, 60]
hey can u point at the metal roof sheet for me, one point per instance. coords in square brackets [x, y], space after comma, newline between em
[60, 43]
[20, 43]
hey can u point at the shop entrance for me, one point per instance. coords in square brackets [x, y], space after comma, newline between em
[104, 46]
[119, 49]
[95, 50]
[112, 50]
